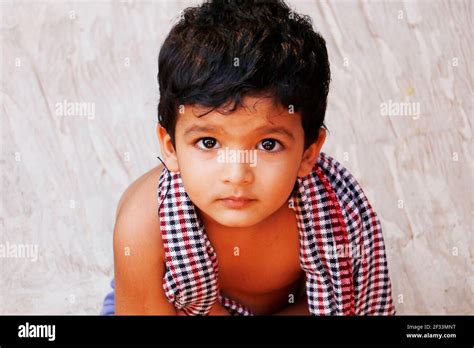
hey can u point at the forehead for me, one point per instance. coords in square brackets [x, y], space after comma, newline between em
[255, 112]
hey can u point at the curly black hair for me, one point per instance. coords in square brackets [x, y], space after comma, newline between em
[223, 50]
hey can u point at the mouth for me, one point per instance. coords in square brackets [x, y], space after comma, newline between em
[236, 202]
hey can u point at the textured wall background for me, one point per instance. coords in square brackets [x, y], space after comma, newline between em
[62, 175]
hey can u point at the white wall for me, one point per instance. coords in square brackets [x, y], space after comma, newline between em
[62, 176]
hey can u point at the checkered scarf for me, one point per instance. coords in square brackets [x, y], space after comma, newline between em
[341, 247]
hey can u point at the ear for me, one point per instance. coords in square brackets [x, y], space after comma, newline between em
[311, 154]
[167, 149]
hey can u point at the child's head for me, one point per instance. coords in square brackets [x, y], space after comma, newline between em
[238, 67]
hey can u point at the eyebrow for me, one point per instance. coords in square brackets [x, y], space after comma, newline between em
[275, 129]
[198, 129]
[260, 130]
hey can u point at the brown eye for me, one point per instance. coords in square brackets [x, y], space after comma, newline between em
[206, 143]
[271, 145]
[268, 144]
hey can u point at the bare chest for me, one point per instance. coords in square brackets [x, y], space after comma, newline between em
[263, 272]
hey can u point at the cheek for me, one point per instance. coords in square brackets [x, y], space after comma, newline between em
[198, 178]
[277, 180]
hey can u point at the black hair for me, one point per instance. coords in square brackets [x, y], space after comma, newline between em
[279, 54]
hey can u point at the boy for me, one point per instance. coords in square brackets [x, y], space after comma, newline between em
[251, 218]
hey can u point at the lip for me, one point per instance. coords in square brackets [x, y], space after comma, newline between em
[236, 202]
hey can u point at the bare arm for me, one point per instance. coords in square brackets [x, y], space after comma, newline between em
[138, 254]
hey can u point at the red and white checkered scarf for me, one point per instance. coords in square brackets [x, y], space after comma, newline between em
[334, 217]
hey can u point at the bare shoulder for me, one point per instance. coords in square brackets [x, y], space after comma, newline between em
[138, 250]
[137, 220]
[142, 190]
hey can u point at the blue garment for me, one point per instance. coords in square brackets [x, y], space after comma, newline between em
[108, 307]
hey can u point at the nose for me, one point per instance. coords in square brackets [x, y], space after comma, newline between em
[237, 173]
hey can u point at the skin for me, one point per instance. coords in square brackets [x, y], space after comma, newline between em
[270, 182]
[267, 267]
[263, 227]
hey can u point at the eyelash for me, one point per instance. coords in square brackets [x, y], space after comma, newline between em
[209, 149]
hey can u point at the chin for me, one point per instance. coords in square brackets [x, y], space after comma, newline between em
[236, 218]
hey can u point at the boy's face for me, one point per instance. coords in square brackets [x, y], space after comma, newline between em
[255, 152]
